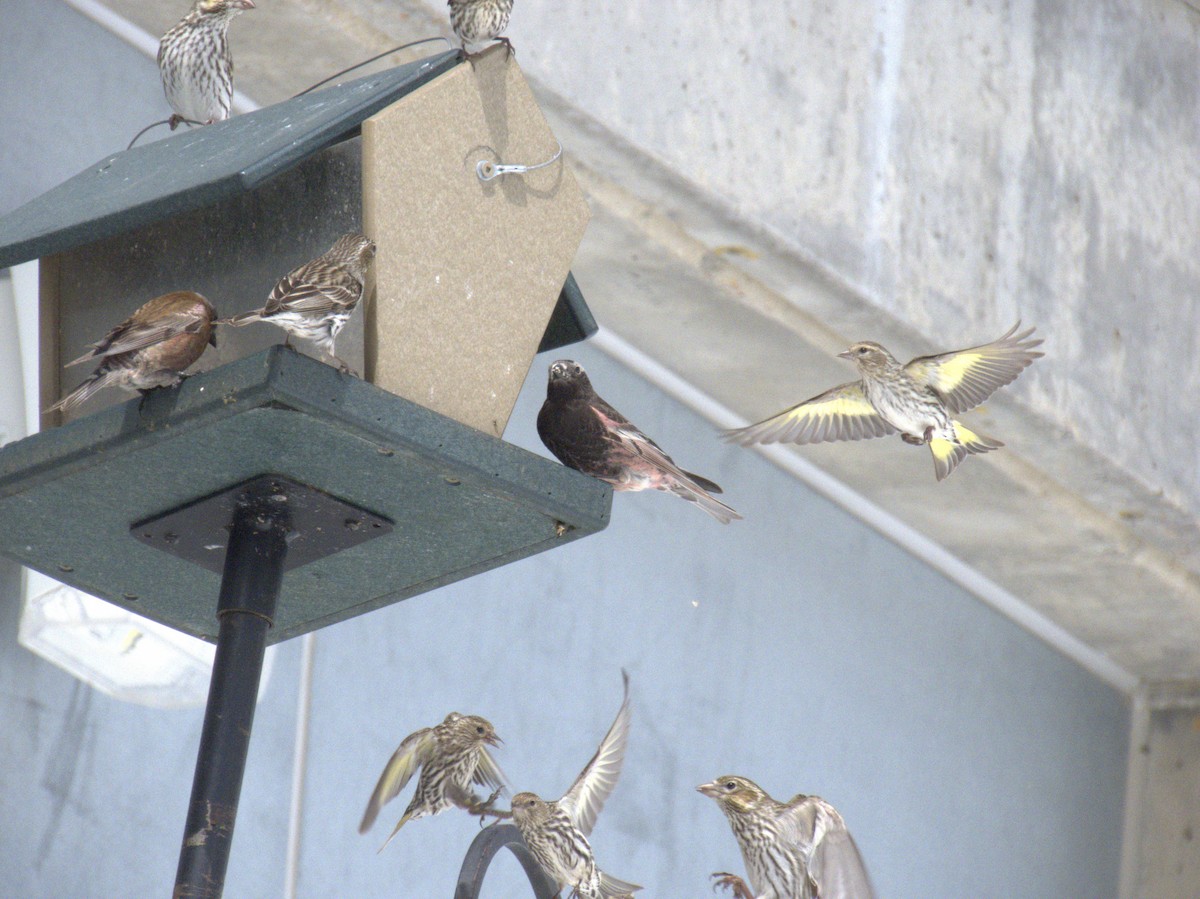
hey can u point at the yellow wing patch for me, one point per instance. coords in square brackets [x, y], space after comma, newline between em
[843, 413]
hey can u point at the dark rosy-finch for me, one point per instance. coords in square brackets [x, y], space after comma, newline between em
[149, 349]
[589, 435]
[556, 832]
[918, 400]
[799, 849]
[315, 300]
[196, 65]
[479, 21]
[452, 757]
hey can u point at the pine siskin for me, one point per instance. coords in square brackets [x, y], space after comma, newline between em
[556, 832]
[917, 399]
[589, 435]
[477, 21]
[798, 849]
[452, 757]
[196, 65]
[149, 349]
[315, 300]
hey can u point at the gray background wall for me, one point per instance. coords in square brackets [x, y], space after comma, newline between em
[968, 758]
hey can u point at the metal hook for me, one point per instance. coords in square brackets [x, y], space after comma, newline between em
[488, 170]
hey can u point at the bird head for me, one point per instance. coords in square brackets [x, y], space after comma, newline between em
[471, 729]
[733, 793]
[529, 808]
[353, 250]
[228, 8]
[567, 378]
[869, 356]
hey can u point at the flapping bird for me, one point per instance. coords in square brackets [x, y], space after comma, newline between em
[556, 832]
[452, 757]
[799, 849]
[918, 400]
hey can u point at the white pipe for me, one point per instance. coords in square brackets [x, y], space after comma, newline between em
[299, 765]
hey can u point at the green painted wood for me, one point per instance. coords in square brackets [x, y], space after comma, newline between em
[462, 502]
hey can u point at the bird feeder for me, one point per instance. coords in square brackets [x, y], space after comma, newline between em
[270, 494]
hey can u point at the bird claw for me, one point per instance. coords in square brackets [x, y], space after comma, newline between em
[911, 440]
[485, 808]
[731, 882]
[509, 50]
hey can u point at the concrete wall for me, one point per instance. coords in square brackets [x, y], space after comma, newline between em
[798, 648]
[960, 164]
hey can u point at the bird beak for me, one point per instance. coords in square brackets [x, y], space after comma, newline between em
[846, 354]
[709, 789]
[494, 740]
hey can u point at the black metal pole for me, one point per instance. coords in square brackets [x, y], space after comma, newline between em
[246, 608]
[484, 847]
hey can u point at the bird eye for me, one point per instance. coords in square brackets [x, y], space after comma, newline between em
[862, 351]
[479, 730]
[730, 786]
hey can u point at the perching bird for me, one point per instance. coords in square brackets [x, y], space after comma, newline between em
[452, 757]
[556, 832]
[315, 300]
[149, 349]
[477, 21]
[799, 849]
[196, 65]
[917, 399]
[589, 435]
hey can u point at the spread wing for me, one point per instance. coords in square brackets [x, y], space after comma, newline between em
[414, 752]
[595, 783]
[130, 335]
[965, 378]
[834, 862]
[317, 287]
[488, 773]
[842, 413]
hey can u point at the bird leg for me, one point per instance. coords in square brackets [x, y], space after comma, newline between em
[732, 882]
[509, 50]
[911, 440]
[484, 808]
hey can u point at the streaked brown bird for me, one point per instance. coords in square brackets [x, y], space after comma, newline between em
[196, 65]
[917, 399]
[452, 757]
[149, 349]
[556, 832]
[799, 849]
[587, 434]
[479, 21]
[315, 300]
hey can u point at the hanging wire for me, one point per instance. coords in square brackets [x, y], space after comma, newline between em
[367, 62]
[357, 65]
[156, 124]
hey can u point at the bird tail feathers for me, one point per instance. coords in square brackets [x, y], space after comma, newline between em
[710, 504]
[947, 454]
[242, 318]
[704, 483]
[612, 888]
[395, 831]
[85, 391]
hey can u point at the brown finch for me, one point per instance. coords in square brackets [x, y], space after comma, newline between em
[477, 21]
[556, 832]
[587, 434]
[315, 300]
[196, 65]
[149, 349]
[799, 849]
[917, 399]
[452, 756]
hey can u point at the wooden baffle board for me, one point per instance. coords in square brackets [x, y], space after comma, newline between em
[468, 270]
